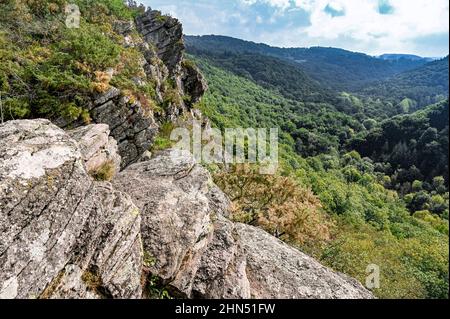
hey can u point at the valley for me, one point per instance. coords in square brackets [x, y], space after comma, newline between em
[363, 178]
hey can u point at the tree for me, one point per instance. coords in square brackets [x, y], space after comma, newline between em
[417, 186]
[439, 184]
[276, 203]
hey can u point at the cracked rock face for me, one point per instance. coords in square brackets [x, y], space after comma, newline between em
[132, 127]
[246, 262]
[193, 83]
[166, 34]
[61, 233]
[222, 270]
[172, 193]
[276, 270]
[199, 253]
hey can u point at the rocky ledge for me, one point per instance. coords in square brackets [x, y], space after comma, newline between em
[178, 85]
[62, 234]
[65, 235]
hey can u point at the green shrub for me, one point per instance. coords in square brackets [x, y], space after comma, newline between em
[49, 70]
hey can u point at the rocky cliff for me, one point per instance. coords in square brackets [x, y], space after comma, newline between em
[178, 85]
[65, 235]
[159, 223]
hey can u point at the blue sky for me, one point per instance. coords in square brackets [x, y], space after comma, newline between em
[372, 26]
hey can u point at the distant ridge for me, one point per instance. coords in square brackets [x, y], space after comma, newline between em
[334, 68]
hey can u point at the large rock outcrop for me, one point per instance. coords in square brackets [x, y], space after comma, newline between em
[64, 235]
[243, 261]
[61, 233]
[165, 34]
[199, 253]
[172, 192]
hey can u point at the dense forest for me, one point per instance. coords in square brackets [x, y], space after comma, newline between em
[311, 127]
[413, 89]
[334, 68]
[273, 73]
[368, 88]
[382, 205]
[411, 151]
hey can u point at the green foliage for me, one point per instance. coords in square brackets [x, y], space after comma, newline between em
[149, 260]
[414, 89]
[49, 70]
[374, 88]
[410, 268]
[89, 46]
[309, 128]
[337, 69]
[413, 150]
[116, 8]
[272, 73]
[162, 140]
[161, 143]
[374, 225]
[154, 288]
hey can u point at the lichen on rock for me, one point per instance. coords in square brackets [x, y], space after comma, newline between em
[57, 215]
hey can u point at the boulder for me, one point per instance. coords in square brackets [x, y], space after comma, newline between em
[171, 191]
[97, 147]
[61, 233]
[222, 271]
[276, 270]
[199, 253]
[243, 261]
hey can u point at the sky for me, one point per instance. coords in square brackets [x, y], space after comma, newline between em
[374, 27]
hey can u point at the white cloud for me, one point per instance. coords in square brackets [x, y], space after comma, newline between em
[283, 4]
[304, 4]
[413, 26]
[336, 5]
[362, 22]
[364, 25]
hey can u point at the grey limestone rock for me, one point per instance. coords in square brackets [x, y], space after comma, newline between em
[171, 191]
[199, 253]
[97, 147]
[131, 125]
[57, 226]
